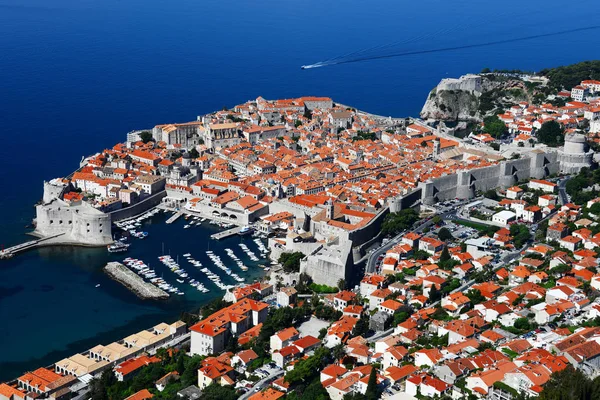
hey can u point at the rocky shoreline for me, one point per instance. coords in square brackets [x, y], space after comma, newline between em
[129, 279]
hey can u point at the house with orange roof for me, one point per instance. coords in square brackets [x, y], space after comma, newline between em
[430, 245]
[394, 356]
[8, 392]
[268, 394]
[340, 331]
[343, 299]
[390, 306]
[210, 334]
[377, 297]
[283, 338]
[427, 357]
[213, 370]
[129, 368]
[343, 386]
[244, 358]
[481, 382]
[143, 394]
[370, 283]
[518, 275]
[332, 371]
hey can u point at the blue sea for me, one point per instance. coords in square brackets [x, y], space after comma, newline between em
[76, 75]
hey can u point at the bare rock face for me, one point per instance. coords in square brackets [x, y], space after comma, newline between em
[454, 100]
[471, 97]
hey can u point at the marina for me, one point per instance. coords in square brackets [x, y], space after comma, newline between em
[119, 310]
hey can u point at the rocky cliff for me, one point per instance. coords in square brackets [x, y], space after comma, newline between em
[471, 97]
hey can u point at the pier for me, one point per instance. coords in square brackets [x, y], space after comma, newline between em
[131, 281]
[227, 233]
[11, 251]
[174, 217]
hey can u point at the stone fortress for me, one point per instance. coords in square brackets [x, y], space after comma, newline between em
[71, 223]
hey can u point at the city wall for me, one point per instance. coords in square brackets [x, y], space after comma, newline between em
[464, 184]
[138, 208]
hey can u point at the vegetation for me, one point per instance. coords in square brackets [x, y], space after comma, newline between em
[362, 326]
[146, 136]
[494, 126]
[322, 288]
[308, 369]
[395, 223]
[360, 135]
[214, 306]
[444, 234]
[570, 384]
[106, 387]
[551, 134]
[475, 296]
[520, 234]
[291, 261]
[571, 75]
[584, 179]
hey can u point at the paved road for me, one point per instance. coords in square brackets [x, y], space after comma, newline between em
[372, 260]
[260, 385]
[562, 191]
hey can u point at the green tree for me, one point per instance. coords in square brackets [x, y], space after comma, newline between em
[372, 392]
[218, 392]
[394, 223]
[494, 126]
[145, 136]
[475, 296]
[551, 134]
[445, 256]
[520, 234]
[570, 384]
[194, 153]
[341, 284]
[361, 327]
[444, 234]
[291, 261]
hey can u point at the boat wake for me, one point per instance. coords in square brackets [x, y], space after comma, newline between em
[390, 51]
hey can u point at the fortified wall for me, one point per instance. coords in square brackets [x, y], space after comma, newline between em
[540, 164]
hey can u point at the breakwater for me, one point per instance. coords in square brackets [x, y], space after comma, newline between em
[131, 281]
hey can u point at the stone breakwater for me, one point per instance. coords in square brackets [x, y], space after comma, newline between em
[131, 281]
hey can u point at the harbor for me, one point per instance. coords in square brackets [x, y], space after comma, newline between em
[62, 273]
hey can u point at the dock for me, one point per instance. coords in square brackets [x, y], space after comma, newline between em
[131, 281]
[174, 217]
[11, 251]
[227, 233]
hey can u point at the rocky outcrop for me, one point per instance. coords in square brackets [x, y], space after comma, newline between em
[471, 97]
[454, 100]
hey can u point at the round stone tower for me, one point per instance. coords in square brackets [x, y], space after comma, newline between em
[575, 154]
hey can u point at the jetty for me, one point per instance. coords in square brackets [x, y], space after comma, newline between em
[133, 282]
[174, 217]
[227, 233]
[7, 253]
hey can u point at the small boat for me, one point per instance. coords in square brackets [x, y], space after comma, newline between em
[245, 230]
[186, 226]
[117, 247]
[98, 285]
[180, 280]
